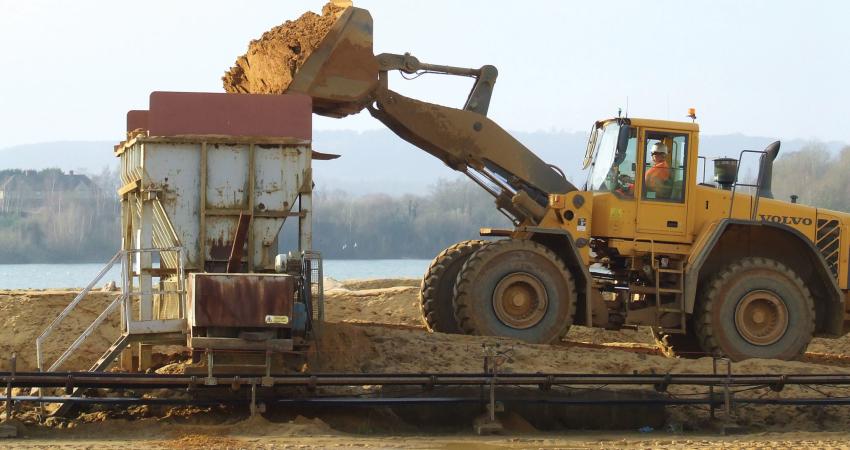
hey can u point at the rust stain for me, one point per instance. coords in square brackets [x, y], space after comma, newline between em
[241, 300]
[219, 247]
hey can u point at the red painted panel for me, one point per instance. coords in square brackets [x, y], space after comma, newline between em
[178, 113]
[239, 300]
[137, 118]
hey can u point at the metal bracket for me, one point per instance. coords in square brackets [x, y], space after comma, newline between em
[10, 407]
[210, 380]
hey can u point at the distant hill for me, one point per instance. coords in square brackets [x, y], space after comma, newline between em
[79, 156]
[378, 161]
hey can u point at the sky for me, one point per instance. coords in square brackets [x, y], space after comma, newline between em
[71, 70]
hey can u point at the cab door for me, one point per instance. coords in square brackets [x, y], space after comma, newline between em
[663, 187]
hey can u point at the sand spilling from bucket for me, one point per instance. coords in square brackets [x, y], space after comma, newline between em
[271, 61]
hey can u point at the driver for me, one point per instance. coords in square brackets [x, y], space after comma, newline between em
[625, 185]
[657, 177]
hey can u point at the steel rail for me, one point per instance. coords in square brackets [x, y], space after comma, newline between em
[117, 380]
[408, 400]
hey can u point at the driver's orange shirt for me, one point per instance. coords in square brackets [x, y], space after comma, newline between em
[656, 176]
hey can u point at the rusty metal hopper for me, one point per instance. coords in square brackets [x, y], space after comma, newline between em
[341, 74]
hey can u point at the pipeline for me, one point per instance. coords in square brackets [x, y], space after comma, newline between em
[107, 380]
[542, 381]
[446, 401]
[449, 390]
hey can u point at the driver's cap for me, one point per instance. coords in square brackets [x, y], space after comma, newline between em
[659, 147]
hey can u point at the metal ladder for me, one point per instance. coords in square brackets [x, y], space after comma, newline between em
[678, 290]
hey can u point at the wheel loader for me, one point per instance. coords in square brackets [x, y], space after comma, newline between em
[713, 268]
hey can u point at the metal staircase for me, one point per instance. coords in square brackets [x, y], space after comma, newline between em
[137, 296]
[40, 340]
[111, 353]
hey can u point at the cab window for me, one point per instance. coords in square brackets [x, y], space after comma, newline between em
[614, 170]
[623, 171]
[664, 168]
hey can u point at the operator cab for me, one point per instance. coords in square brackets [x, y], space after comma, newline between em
[641, 167]
[612, 160]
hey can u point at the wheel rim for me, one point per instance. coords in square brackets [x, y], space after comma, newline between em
[761, 318]
[520, 300]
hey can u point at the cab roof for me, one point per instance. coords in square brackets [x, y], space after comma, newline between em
[664, 124]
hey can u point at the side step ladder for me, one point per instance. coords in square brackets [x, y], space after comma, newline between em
[675, 267]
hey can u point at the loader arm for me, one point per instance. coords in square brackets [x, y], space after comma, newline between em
[344, 76]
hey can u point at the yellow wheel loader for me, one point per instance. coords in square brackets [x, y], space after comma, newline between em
[719, 268]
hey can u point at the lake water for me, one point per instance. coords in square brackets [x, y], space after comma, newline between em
[43, 276]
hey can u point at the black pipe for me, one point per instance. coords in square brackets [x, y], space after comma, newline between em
[392, 401]
[112, 380]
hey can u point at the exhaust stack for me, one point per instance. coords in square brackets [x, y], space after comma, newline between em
[766, 169]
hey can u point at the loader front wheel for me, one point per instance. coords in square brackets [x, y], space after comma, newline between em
[756, 308]
[517, 289]
[436, 292]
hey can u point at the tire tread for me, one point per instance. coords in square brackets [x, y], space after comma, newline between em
[465, 285]
[705, 328]
[430, 306]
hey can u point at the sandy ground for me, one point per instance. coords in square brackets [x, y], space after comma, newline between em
[374, 326]
[25, 314]
[302, 432]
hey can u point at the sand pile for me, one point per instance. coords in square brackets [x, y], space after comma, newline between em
[396, 302]
[272, 60]
[349, 347]
[397, 305]
[25, 314]
[379, 283]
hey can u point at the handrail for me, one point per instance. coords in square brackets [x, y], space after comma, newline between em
[71, 306]
[82, 337]
[126, 294]
[755, 205]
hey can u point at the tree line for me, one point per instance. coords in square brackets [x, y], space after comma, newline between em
[49, 216]
[64, 228]
[817, 176]
[406, 226]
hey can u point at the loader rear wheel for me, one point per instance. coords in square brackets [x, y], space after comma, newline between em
[518, 289]
[756, 308]
[436, 292]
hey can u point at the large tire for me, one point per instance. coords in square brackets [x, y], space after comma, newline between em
[437, 289]
[755, 308]
[518, 289]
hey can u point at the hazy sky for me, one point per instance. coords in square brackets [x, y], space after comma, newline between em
[71, 70]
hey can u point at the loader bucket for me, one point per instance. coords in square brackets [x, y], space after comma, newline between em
[342, 72]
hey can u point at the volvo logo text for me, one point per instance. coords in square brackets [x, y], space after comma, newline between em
[787, 220]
